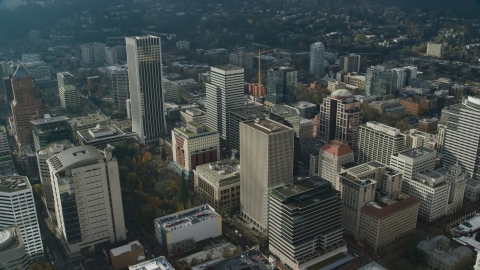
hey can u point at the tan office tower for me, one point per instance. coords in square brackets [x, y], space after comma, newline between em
[266, 164]
[88, 201]
[25, 106]
[331, 157]
[378, 142]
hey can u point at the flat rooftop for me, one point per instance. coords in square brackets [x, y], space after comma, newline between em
[159, 263]
[415, 152]
[226, 169]
[13, 183]
[250, 112]
[285, 111]
[49, 120]
[304, 104]
[228, 67]
[267, 126]
[134, 245]
[100, 132]
[91, 119]
[55, 148]
[302, 186]
[186, 218]
[381, 212]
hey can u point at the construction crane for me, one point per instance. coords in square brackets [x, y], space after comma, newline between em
[259, 54]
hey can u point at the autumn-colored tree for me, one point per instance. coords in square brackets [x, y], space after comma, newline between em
[37, 190]
[134, 182]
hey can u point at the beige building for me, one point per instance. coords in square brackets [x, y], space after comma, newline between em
[129, 254]
[307, 130]
[356, 80]
[441, 254]
[218, 184]
[434, 49]
[378, 142]
[87, 197]
[384, 223]
[415, 138]
[193, 115]
[171, 91]
[69, 98]
[331, 157]
[266, 149]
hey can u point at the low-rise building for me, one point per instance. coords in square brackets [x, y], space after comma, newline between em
[428, 125]
[218, 184]
[356, 80]
[389, 107]
[418, 105]
[306, 109]
[129, 254]
[159, 263]
[472, 190]
[89, 121]
[178, 232]
[102, 135]
[193, 115]
[441, 254]
[13, 255]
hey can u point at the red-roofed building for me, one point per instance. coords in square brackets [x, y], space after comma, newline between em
[331, 158]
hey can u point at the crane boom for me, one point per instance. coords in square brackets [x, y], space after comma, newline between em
[260, 70]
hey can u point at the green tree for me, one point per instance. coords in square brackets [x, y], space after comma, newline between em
[37, 190]
[163, 154]
[41, 266]
[134, 182]
[183, 192]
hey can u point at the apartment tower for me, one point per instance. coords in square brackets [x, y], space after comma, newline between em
[317, 58]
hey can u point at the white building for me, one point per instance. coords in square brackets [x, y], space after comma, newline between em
[350, 63]
[317, 59]
[121, 92]
[39, 70]
[378, 142]
[159, 263]
[6, 161]
[87, 196]
[69, 98]
[93, 53]
[331, 157]
[435, 50]
[13, 254]
[193, 115]
[180, 231]
[111, 56]
[18, 208]
[307, 130]
[183, 44]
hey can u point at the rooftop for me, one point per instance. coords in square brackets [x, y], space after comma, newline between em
[285, 111]
[10, 238]
[415, 152]
[186, 218]
[383, 128]
[381, 212]
[86, 121]
[100, 132]
[304, 104]
[226, 169]
[266, 126]
[372, 266]
[336, 148]
[228, 67]
[71, 156]
[440, 248]
[194, 129]
[159, 263]
[21, 73]
[54, 148]
[13, 183]
[470, 225]
[49, 120]
[341, 93]
[134, 245]
[250, 111]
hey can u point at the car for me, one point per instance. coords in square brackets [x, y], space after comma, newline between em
[252, 259]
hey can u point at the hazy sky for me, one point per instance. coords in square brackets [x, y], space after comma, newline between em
[11, 4]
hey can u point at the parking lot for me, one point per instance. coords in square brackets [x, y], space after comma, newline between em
[247, 261]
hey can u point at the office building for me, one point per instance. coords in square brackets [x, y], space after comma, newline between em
[129, 254]
[178, 232]
[65, 78]
[39, 70]
[224, 94]
[350, 63]
[171, 91]
[144, 57]
[103, 135]
[70, 98]
[13, 254]
[415, 138]
[50, 129]
[441, 254]
[18, 208]
[418, 105]
[159, 263]
[435, 50]
[266, 164]
[472, 190]
[307, 130]
[461, 137]
[25, 106]
[385, 223]
[317, 59]
[250, 111]
[380, 81]
[355, 80]
[306, 109]
[193, 115]
[331, 157]
[193, 145]
[218, 184]
[6, 161]
[403, 75]
[111, 56]
[378, 142]
[89, 121]
[281, 85]
[340, 118]
[411, 161]
[121, 92]
[43, 154]
[93, 53]
[311, 210]
[428, 125]
[84, 218]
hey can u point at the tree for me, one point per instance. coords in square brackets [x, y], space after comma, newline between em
[163, 154]
[134, 182]
[41, 266]
[37, 190]
[183, 192]
[412, 253]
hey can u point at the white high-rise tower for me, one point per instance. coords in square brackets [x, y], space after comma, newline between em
[317, 57]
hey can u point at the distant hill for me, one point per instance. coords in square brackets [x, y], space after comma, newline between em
[460, 8]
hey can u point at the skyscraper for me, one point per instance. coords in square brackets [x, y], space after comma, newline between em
[25, 106]
[378, 142]
[281, 83]
[461, 137]
[18, 208]
[144, 58]
[88, 201]
[380, 81]
[119, 77]
[340, 118]
[6, 160]
[317, 57]
[350, 63]
[225, 93]
[266, 163]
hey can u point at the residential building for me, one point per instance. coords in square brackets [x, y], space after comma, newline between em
[378, 142]
[129, 254]
[120, 86]
[6, 161]
[183, 44]
[461, 136]
[171, 91]
[18, 208]
[418, 105]
[331, 157]
[65, 78]
[43, 154]
[350, 63]
[159, 263]
[428, 125]
[385, 223]
[103, 135]
[193, 145]
[380, 81]
[13, 254]
[441, 254]
[193, 115]
[111, 56]
[146, 90]
[281, 85]
[434, 49]
[89, 121]
[93, 53]
[317, 58]
[178, 232]
[356, 80]
[442, 84]
[50, 129]
[218, 184]
[85, 222]
[250, 111]
[267, 163]
[305, 243]
[340, 118]
[25, 106]
[224, 94]
[69, 98]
